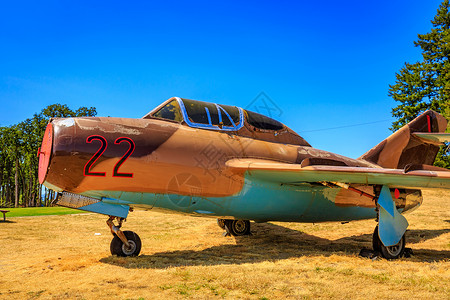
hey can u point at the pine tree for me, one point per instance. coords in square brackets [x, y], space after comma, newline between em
[426, 84]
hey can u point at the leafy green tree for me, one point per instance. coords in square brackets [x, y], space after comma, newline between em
[19, 184]
[426, 84]
[63, 111]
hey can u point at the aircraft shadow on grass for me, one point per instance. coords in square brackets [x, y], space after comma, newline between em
[271, 242]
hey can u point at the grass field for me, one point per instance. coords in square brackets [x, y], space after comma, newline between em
[40, 211]
[54, 257]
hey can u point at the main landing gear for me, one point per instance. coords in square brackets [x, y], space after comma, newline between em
[124, 243]
[388, 238]
[390, 252]
[234, 227]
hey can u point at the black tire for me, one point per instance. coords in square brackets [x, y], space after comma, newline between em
[118, 248]
[376, 243]
[238, 227]
[390, 252]
[221, 223]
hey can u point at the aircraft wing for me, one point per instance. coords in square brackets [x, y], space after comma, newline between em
[294, 173]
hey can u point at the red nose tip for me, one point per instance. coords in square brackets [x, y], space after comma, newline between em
[45, 152]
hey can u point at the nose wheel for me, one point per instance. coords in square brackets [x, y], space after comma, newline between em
[124, 243]
[119, 248]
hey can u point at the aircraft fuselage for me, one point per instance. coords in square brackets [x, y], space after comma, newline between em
[150, 163]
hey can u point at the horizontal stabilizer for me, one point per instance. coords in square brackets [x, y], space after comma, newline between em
[434, 137]
[411, 167]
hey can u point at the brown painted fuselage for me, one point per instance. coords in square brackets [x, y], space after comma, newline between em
[172, 164]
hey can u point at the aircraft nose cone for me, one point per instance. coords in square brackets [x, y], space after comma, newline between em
[45, 153]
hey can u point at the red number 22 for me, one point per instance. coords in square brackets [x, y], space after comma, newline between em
[101, 150]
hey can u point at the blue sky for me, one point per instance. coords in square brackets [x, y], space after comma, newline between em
[325, 64]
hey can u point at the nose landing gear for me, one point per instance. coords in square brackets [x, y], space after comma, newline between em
[124, 243]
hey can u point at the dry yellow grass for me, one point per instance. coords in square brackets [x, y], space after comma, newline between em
[61, 257]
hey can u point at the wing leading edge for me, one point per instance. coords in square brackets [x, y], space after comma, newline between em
[293, 173]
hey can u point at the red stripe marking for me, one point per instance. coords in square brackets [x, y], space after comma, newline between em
[429, 123]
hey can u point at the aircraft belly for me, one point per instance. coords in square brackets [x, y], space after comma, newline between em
[258, 200]
[264, 201]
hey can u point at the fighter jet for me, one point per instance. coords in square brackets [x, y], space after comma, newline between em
[225, 162]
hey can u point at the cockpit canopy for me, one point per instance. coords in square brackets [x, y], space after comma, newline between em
[212, 116]
[199, 114]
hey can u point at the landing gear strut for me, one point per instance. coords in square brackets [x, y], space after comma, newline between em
[390, 252]
[235, 227]
[124, 243]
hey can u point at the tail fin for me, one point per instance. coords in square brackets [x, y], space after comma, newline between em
[403, 148]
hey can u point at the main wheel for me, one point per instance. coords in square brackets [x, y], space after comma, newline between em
[118, 248]
[376, 243]
[389, 252]
[238, 227]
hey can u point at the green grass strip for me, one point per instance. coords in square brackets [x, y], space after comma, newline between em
[39, 211]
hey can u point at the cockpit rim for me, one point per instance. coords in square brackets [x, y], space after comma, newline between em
[243, 117]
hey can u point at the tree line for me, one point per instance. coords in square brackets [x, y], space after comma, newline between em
[19, 161]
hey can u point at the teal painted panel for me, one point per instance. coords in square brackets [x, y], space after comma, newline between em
[107, 209]
[125, 198]
[259, 200]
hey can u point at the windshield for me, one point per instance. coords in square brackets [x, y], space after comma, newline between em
[170, 111]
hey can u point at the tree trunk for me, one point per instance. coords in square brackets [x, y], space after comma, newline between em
[16, 181]
[31, 192]
[47, 192]
[8, 194]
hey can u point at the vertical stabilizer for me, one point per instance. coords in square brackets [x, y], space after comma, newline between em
[403, 148]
